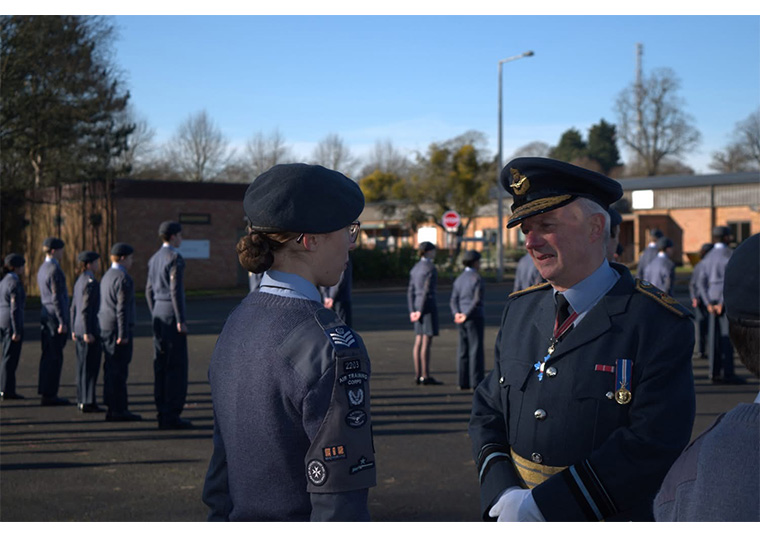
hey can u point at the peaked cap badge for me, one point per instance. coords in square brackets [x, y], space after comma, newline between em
[521, 183]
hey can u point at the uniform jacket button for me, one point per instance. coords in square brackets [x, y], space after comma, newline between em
[551, 371]
[540, 414]
[536, 457]
[501, 380]
[610, 395]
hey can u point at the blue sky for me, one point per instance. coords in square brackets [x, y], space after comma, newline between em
[415, 80]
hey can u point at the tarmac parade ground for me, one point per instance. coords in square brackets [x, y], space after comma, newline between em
[59, 465]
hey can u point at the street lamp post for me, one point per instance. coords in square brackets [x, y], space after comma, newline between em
[499, 188]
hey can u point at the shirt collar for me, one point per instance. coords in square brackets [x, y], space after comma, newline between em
[167, 245]
[757, 400]
[719, 245]
[661, 255]
[588, 291]
[115, 265]
[289, 285]
[52, 259]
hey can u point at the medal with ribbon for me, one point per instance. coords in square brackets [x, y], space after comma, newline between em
[623, 383]
[557, 334]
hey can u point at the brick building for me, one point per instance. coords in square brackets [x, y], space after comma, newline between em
[92, 217]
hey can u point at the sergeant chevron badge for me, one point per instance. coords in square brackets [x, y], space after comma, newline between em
[341, 337]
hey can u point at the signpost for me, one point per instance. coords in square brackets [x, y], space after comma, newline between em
[451, 221]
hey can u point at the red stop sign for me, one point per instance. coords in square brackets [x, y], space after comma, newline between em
[451, 220]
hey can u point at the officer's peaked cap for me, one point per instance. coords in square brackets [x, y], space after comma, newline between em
[53, 243]
[741, 284]
[539, 185]
[14, 260]
[302, 198]
[122, 249]
[169, 228]
[88, 256]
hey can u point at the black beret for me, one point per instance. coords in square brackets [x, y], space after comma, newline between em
[302, 198]
[539, 185]
[721, 231]
[664, 242]
[14, 260]
[741, 283]
[88, 256]
[426, 246]
[53, 243]
[615, 217]
[471, 256]
[169, 228]
[122, 249]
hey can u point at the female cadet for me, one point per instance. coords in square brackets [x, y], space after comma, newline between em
[289, 380]
[423, 311]
[85, 330]
[12, 299]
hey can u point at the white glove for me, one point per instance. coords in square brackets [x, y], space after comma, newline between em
[516, 504]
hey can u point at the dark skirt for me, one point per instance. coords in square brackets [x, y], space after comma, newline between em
[428, 323]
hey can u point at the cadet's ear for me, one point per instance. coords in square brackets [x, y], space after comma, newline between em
[310, 242]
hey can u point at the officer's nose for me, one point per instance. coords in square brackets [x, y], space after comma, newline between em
[533, 240]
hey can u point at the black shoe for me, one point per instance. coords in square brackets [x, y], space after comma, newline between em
[430, 381]
[53, 401]
[175, 424]
[417, 380]
[734, 380]
[122, 416]
[90, 408]
[10, 396]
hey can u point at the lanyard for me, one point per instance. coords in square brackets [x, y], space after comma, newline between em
[557, 334]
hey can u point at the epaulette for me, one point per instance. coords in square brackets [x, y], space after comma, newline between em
[662, 298]
[534, 287]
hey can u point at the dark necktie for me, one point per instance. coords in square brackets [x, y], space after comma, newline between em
[563, 309]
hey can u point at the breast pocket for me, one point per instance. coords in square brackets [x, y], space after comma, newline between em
[594, 396]
[514, 375]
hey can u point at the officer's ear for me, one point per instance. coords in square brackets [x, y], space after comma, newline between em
[597, 227]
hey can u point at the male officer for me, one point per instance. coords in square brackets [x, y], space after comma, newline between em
[54, 321]
[720, 352]
[85, 303]
[338, 297]
[661, 271]
[117, 321]
[165, 294]
[649, 253]
[591, 397]
[469, 314]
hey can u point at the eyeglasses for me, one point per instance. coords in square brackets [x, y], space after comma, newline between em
[353, 232]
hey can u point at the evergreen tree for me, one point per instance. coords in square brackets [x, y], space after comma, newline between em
[571, 146]
[602, 146]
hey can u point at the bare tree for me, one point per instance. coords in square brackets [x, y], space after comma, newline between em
[331, 152]
[386, 159]
[533, 149]
[199, 150]
[652, 122]
[262, 153]
[742, 154]
[140, 153]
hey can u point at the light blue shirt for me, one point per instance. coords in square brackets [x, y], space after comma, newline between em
[289, 285]
[586, 293]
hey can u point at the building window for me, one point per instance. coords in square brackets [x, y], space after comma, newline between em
[194, 218]
[740, 230]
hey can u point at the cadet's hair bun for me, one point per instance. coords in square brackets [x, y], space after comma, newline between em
[255, 252]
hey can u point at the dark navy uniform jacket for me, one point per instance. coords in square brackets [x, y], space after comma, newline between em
[614, 456]
[166, 270]
[12, 302]
[85, 303]
[53, 293]
[420, 293]
[710, 282]
[292, 426]
[117, 302]
[526, 274]
[661, 273]
[467, 294]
